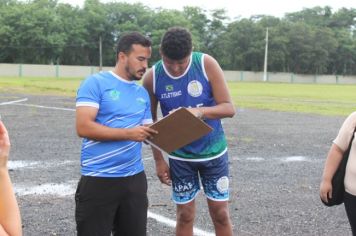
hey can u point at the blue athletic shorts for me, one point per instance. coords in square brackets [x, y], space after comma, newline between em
[213, 174]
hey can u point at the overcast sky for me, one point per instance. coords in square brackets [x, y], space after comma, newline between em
[237, 8]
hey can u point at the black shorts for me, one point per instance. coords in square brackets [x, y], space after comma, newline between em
[111, 205]
[350, 206]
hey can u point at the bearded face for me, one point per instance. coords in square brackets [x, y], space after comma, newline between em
[136, 62]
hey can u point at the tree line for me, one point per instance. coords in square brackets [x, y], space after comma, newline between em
[312, 41]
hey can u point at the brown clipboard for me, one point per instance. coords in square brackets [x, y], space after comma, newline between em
[177, 129]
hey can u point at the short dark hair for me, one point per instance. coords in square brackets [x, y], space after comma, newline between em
[176, 43]
[127, 40]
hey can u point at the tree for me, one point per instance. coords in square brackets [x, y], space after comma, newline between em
[73, 26]
[199, 26]
[313, 40]
[162, 20]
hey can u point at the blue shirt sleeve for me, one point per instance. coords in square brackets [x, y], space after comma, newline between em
[89, 93]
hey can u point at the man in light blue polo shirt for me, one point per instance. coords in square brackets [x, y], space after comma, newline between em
[112, 111]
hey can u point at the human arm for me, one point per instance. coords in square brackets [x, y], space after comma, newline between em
[162, 168]
[224, 106]
[332, 162]
[88, 128]
[335, 155]
[10, 220]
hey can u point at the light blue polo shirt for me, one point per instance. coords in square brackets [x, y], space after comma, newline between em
[120, 104]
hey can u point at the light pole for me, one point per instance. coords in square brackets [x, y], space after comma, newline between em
[265, 63]
[100, 55]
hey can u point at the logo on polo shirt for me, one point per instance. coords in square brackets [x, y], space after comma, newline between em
[170, 93]
[169, 88]
[195, 88]
[141, 100]
[114, 94]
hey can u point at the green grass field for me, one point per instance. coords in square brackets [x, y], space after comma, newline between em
[45, 86]
[306, 98]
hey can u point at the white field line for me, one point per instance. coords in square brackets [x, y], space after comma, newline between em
[17, 164]
[45, 107]
[255, 159]
[282, 159]
[63, 190]
[13, 102]
[172, 223]
[295, 159]
[21, 164]
[16, 102]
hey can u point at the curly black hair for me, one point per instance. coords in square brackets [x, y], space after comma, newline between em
[176, 43]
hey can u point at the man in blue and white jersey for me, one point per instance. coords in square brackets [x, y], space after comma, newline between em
[112, 111]
[194, 80]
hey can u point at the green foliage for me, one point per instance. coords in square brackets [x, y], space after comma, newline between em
[161, 20]
[312, 41]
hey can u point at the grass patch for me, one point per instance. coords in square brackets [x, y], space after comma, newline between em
[325, 99]
[322, 99]
[41, 86]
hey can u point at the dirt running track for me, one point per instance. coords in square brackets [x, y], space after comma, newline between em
[276, 161]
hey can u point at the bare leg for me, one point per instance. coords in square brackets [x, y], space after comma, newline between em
[219, 212]
[185, 219]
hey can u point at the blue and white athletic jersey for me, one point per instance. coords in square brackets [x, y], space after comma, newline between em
[192, 89]
[121, 104]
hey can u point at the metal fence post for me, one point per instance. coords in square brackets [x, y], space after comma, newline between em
[57, 71]
[20, 70]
